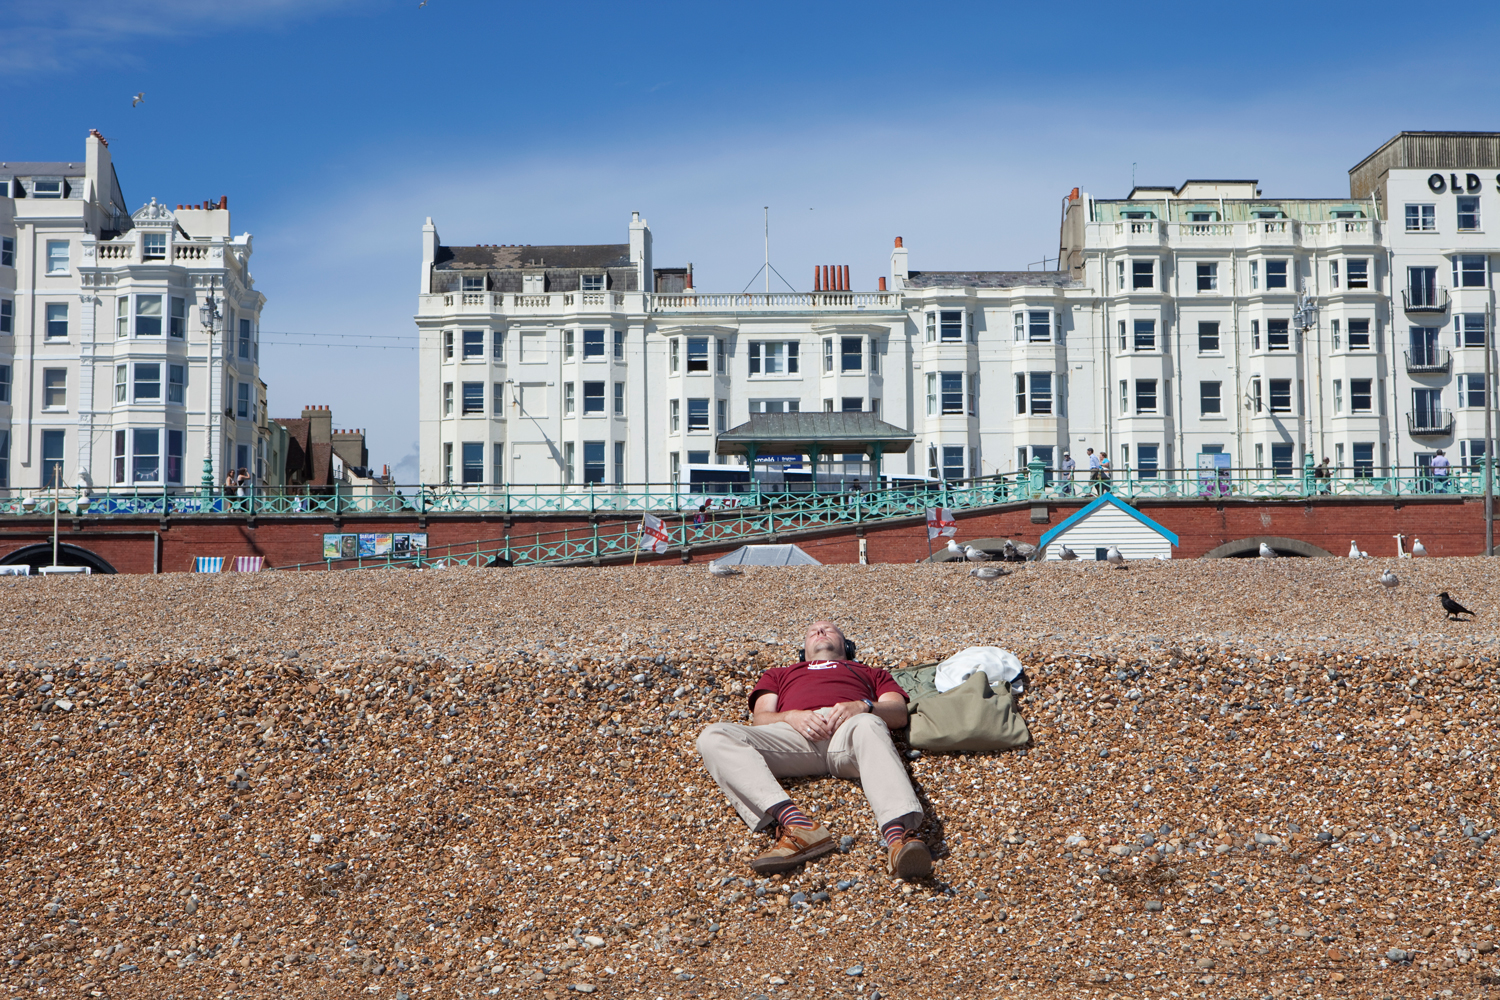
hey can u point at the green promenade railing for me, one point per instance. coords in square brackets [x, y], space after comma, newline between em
[763, 516]
[1034, 483]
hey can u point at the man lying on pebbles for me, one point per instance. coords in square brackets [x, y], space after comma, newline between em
[828, 714]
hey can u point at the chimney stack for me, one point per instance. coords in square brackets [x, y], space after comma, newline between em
[882, 283]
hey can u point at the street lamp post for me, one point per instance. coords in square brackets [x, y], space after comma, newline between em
[209, 316]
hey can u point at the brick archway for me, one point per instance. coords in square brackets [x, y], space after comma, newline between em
[40, 555]
[1251, 546]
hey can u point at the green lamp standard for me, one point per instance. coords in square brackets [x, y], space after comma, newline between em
[208, 317]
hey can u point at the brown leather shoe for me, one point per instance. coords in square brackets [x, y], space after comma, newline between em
[794, 845]
[910, 858]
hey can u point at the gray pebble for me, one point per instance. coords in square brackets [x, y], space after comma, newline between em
[1323, 837]
[821, 897]
[1396, 955]
[336, 867]
[1153, 906]
[192, 905]
[855, 970]
[1148, 840]
[799, 897]
[913, 754]
[846, 842]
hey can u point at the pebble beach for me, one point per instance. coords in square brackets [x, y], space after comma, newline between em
[1248, 778]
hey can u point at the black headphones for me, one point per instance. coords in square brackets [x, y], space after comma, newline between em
[848, 650]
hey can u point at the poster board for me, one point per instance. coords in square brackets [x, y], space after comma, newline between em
[373, 545]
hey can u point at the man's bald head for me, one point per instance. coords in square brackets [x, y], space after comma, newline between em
[824, 641]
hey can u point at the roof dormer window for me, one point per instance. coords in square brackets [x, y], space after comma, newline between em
[47, 189]
[1268, 213]
[593, 282]
[473, 283]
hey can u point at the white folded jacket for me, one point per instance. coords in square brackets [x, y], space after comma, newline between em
[1000, 665]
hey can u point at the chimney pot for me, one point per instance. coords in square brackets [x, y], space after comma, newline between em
[1074, 195]
[882, 284]
[898, 242]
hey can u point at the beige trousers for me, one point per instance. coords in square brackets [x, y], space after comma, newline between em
[747, 760]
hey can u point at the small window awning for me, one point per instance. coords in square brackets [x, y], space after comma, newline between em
[1212, 213]
[1137, 213]
[815, 434]
[1268, 212]
[1347, 212]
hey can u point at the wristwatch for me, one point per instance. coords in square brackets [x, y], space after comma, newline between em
[869, 705]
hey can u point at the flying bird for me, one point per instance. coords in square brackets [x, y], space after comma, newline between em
[716, 569]
[1114, 557]
[138, 98]
[1453, 608]
[1068, 553]
[1353, 549]
[1417, 548]
[976, 555]
[1266, 552]
[1389, 580]
[987, 572]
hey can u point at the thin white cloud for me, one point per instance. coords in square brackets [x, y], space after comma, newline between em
[48, 37]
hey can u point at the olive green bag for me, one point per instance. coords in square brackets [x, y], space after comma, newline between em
[972, 716]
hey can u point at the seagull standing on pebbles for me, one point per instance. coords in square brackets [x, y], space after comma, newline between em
[1114, 557]
[1389, 580]
[954, 550]
[715, 569]
[1266, 552]
[1353, 549]
[1417, 548]
[976, 555]
[1068, 554]
[987, 573]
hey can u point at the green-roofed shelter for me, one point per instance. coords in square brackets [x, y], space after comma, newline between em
[814, 435]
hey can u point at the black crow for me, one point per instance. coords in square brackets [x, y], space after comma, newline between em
[1452, 607]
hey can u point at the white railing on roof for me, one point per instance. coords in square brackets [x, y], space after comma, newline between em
[189, 251]
[1207, 229]
[116, 251]
[718, 301]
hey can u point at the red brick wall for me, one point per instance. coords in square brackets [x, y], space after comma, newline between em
[1447, 526]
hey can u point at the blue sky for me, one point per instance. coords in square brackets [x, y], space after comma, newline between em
[336, 127]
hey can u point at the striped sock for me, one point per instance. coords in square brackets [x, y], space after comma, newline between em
[892, 832]
[790, 815]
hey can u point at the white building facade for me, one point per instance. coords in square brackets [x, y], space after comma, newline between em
[557, 365]
[108, 377]
[1202, 320]
[1205, 350]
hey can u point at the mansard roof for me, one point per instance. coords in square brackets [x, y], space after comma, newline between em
[566, 256]
[991, 279]
[13, 168]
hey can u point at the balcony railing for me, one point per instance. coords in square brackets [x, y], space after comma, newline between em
[1432, 422]
[772, 301]
[1417, 300]
[1428, 361]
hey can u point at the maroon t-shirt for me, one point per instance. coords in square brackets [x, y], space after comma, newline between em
[804, 686]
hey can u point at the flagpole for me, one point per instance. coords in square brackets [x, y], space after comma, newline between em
[636, 558]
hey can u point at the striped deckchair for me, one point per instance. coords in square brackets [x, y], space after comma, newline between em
[208, 564]
[249, 564]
